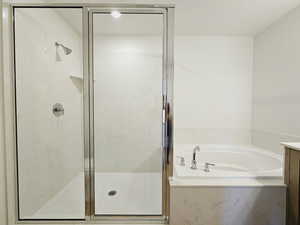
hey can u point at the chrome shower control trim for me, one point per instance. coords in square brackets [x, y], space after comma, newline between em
[58, 109]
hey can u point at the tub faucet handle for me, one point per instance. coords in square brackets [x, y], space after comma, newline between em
[182, 160]
[207, 165]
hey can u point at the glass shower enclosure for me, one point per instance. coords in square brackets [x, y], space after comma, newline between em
[93, 103]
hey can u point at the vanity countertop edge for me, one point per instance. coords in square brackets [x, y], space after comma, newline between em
[292, 145]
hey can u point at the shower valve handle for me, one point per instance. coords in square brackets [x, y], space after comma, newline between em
[182, 160]
[207, 165]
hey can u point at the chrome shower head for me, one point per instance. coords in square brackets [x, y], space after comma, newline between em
[67, 50]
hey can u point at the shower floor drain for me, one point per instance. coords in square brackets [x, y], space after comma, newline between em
[112, 193]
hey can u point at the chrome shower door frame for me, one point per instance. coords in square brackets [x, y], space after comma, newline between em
[88, 110]
[167, 109]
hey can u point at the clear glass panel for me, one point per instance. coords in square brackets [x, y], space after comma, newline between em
[49, 112]
[128, 113]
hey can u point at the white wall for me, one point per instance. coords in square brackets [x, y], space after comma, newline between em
[276, 104]
[50, 149]
[3, 213]
[212, 89]
[213, 96]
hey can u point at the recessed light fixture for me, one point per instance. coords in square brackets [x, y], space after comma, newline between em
[115, 14]
[4, 15]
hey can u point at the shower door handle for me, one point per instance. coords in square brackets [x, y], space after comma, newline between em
[168, 132]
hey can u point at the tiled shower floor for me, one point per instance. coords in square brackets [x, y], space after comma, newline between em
[136, 194]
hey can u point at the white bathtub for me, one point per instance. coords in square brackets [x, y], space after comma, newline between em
[230, 162]
[245, 187]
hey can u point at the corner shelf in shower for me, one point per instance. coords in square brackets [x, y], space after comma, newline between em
[78, 78]
[78, 82]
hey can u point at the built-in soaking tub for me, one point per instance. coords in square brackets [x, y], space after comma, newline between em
[229, 161]
[244, 187]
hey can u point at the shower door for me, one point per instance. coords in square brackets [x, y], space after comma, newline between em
[127, 52]
[93, 111]
[49, 113]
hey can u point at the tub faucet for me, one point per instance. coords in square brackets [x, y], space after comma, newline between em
[194, 162]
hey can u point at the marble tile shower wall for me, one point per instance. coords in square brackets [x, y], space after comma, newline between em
[129, 66]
